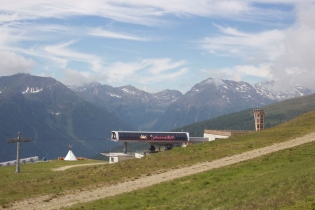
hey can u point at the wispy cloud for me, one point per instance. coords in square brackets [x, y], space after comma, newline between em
[232, 42]
[60, 55]
[146, 70]
[241, 72]
[161, 79]
[138, 11]
[62, 50]
[16, 10]
[159, 66]
[115, 35]
[141, 73]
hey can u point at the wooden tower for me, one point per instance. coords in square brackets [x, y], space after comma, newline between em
[259, 119]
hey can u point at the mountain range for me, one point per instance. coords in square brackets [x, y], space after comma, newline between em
[138, 108]
[171, 109]
[55, 116]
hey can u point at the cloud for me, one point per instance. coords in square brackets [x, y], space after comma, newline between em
[197, 7]
[232, 42]
[63, 51]
[61, 55]
[11, 35]
[296, 65]
[241, 72]
[286, 56]
[114, 35]
[143, 72]
[58, 9]
[75, 77]
[165, 78]
[141, 12]
[158, 66]
[12, 63]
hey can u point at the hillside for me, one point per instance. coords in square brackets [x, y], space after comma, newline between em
[53, 116]
[279, 173]
[275, 114]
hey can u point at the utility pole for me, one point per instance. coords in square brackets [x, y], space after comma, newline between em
[18, 141]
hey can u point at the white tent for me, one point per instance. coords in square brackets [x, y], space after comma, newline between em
[70, 155]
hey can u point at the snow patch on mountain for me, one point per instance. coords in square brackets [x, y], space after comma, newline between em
[32, 90]
[114, 95]
[79, 89]
[128, 91]
[269, 90]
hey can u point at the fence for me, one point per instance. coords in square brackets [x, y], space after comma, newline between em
[228, 132]
[23, 161]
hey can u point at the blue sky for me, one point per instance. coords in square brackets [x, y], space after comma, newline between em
[157, 45]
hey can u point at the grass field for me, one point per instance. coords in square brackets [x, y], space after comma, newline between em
[38, 178]
[275, 181]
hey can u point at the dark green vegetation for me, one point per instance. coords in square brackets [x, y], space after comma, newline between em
[275, 114]
[283, 170]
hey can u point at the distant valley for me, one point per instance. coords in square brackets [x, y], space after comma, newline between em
[55, 115]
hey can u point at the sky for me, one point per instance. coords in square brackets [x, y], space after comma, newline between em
[158, 45]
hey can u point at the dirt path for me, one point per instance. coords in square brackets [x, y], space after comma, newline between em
[102, 192]
[67, 167]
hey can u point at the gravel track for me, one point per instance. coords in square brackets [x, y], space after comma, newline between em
[67, 167]
[75, 197]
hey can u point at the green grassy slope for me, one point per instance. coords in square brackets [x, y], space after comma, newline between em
[38, 179]
[284, 179]
[273, 181]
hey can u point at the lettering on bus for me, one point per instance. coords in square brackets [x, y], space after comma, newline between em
[168, 137]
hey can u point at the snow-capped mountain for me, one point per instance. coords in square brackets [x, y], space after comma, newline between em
[269, 90]
[211, 98]
[137, 107]
[170, 109]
